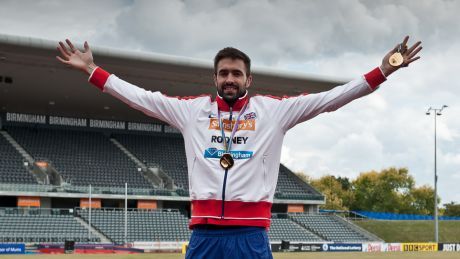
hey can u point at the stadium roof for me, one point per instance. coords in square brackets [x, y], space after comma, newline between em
[42, 85]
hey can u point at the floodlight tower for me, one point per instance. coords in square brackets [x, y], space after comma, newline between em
[436, 112]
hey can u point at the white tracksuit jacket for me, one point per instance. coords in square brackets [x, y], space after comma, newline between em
[246, 197]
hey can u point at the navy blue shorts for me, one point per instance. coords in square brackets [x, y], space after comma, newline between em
[240, 242]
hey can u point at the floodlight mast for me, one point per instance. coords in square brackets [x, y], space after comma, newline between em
[436, 112]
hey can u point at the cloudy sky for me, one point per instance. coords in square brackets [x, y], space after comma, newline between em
[343, 38]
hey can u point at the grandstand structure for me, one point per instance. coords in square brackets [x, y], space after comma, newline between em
[78, 164]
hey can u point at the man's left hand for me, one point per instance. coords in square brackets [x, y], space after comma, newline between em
[408, 54]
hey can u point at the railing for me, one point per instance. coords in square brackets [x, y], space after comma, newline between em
[67, 188]
[34, 211]
[113, 209]
[298, 196]
[12, 187]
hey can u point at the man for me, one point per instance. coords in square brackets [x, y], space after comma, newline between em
[233, 144]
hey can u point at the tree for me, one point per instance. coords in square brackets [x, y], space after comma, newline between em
[422, 200]
[388, 190]
[452, 209]
[337, 197]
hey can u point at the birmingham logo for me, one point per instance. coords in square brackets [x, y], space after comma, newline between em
[216, 153]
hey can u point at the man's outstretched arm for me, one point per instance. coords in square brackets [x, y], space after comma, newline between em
[171, 110]
[292, 111]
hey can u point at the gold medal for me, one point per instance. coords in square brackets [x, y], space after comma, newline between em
[226, 161]
[396, 59]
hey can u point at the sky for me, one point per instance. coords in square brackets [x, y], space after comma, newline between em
[339, 39]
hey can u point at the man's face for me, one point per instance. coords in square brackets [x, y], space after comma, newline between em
[231, 79]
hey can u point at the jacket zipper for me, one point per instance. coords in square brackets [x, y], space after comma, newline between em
[226, 171]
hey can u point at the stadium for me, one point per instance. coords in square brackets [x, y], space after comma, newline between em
[82, 172]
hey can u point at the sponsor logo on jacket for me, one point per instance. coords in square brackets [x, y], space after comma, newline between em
[228, 126]
[213, 152]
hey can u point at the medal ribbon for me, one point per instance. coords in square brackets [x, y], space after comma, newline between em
[228, 145]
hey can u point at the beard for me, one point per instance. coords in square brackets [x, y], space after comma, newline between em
[231, 93]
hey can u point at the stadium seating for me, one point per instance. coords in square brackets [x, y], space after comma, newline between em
[158, 225]
[89, 157]
[286, 229]
[171, 225]
[165, 152]
[143, 225]
[81, 157]
[330, 227]
[37, 227]
[12, 169]
[168, 153]
[290, 187]
[287, 184]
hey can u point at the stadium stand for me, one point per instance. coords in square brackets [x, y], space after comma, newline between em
[81, 157]
[84, 156]
[12, 169]
[167, 153]
[331, 228]
[286, 183]
[34, 226]
[143, 225]
[89, 157]
[282, 228]
[289, 186]
[171, 225]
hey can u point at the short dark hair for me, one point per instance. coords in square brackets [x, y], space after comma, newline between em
[232, 53]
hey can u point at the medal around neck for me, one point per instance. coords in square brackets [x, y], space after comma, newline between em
[226, 161]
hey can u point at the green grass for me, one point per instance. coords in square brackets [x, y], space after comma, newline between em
[412, 231]
[388, 255]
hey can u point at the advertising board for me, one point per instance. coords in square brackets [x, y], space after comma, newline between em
[12, 248]
[392, 247]
[342, 247]
[418, 247]
[449, 247]
[298, 247]
[373, 247]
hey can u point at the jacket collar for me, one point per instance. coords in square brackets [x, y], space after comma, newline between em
[223, 106]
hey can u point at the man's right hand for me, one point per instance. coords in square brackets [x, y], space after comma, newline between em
[75, 58]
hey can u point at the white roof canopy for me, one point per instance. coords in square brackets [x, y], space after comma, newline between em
[42, 85]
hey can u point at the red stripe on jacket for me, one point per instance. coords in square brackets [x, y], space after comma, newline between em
[236, 213]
